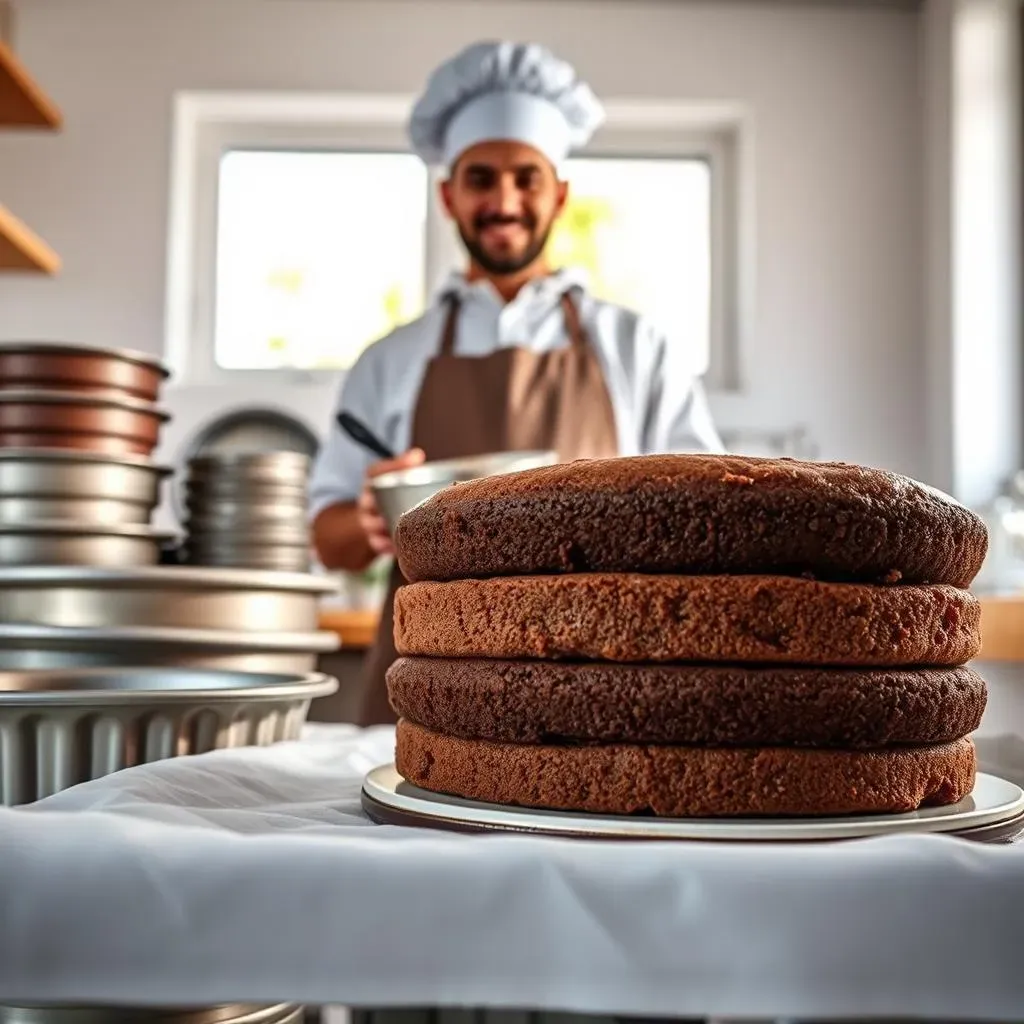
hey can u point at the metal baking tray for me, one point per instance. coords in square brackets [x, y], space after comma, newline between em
[238, 600]
[40, 364]
[60, 728]
[61, 542]
[41, 484]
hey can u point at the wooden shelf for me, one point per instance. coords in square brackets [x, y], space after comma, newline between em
[21, 249]
[23, 104]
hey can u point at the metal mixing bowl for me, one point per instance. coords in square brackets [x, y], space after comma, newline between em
[404, 489]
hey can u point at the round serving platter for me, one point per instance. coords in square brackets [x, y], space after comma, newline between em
[993, 813]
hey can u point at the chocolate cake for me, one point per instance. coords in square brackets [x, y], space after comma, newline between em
[690, 635]
[631, 617]
[687, 781]
[546, 702]
[695, 514]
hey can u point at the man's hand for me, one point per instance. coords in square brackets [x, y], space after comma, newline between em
[370, 520]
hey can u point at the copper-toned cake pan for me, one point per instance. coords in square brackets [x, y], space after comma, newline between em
[37, 364]
[86, 422]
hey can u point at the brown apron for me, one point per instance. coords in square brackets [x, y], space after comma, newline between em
[511, 400]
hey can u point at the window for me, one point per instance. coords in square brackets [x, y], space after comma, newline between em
[641, 228]
[301, 233]
[317, 255]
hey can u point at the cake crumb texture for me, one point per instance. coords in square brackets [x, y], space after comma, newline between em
[627, 617]
[543, 702]
[687, 781]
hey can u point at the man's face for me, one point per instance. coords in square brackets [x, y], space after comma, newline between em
[504, 198]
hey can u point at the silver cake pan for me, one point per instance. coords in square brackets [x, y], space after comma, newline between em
[239, 600]
[287, 468]
[224, 514]
[55, 647]
[84, 487]
[268, 558]
[283, 1013]
[60, 728]
[61, 542]
[215, 490]
[246, 534]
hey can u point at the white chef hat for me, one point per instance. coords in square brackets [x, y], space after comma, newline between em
[503, 90]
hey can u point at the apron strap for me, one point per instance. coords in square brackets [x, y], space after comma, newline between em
[448, 331]
[573, 324]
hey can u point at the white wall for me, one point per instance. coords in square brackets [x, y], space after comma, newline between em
[988, 371]
[971, 80]
[835, 101]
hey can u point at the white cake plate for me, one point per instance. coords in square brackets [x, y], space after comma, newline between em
[994, 812]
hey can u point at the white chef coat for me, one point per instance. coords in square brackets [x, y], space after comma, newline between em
[653, 380]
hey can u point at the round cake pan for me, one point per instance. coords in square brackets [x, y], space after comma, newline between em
[266, 560]
[46, 648]
[50, 365]
[180, 597]
[227, 494]
[276, 467]
[228, 510]
[59, 542]
[284, 1013]
[39, 484]
[81, 421]
[244, 533]
[60, 728]
[87, 511]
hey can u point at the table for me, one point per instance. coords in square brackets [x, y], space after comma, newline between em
[252, 875]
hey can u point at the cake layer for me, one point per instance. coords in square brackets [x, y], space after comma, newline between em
[627, 617]
[724, 705]
[695, 514]
[687, 781]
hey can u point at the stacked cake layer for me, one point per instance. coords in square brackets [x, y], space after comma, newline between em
[690, 635]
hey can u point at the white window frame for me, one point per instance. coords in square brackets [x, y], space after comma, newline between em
[208, 124]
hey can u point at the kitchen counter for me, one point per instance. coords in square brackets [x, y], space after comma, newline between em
[355, 628]
[1002, 627]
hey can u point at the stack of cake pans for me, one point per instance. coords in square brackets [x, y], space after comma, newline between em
[248, 510]
[78, 426]
[108, 659]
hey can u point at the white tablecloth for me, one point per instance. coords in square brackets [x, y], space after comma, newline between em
[252, 875]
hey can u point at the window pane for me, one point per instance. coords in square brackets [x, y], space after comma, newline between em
[641, 228]
[318, 254]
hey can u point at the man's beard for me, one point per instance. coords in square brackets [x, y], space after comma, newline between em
[503, 266]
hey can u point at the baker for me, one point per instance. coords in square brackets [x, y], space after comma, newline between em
[511, 354]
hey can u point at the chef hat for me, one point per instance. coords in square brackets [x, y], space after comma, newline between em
[503, 91]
